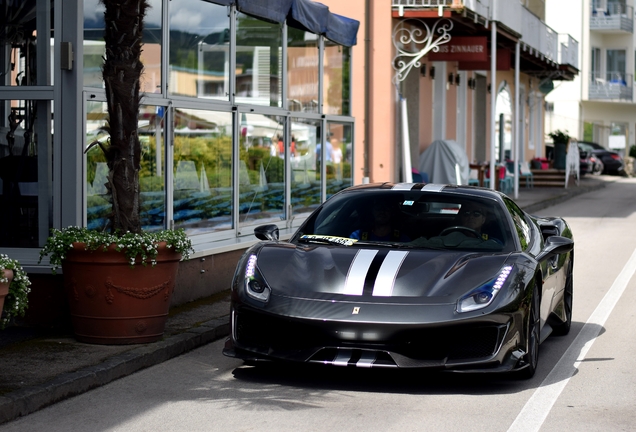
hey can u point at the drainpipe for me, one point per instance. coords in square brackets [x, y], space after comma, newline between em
[493, 99]
[367, 86]
[517, 129]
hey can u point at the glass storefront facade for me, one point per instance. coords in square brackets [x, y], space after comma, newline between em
[233, 117]
[26, 101]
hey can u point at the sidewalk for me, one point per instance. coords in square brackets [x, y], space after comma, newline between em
[536, 199]
[42, 369]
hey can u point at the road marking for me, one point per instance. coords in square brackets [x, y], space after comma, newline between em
[540, 403]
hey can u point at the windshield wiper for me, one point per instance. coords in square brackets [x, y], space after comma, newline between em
[383, 243]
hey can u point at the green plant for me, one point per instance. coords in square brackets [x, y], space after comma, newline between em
[16, 302]
[632, 151]
[559, 136]
[138, 247]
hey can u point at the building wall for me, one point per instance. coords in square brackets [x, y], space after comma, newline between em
[471, 106]
[382, 97]
[356, 11]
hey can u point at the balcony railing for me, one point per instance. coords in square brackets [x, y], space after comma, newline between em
[611, 17]
[537, 34]
[611, 86]
[568, 50]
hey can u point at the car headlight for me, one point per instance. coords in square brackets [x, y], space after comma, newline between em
[255, 285]
[482, 296]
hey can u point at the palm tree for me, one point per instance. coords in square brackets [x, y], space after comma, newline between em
[124, 24]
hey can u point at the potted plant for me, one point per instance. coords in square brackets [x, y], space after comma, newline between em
[119, 283]
[559, 136]
[14, 290]
[560, 139]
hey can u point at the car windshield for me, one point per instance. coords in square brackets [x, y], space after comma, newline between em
[409, 219]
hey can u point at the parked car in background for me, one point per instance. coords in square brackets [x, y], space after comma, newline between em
[590, 162]
[612, 162]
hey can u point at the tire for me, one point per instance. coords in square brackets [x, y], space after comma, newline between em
[568, 295]
[533, 336]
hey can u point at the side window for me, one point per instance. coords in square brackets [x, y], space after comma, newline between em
[521, 225]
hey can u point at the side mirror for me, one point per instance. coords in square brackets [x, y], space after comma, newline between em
[549, 230]
[267, 232]
[555, 245]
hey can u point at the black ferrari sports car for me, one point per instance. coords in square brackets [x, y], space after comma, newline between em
[406, 275]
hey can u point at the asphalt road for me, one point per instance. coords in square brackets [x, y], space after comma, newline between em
[585, 380]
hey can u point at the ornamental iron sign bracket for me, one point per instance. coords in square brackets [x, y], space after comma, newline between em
[413, 39]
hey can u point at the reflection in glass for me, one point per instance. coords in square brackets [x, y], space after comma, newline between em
[337, 69]
[93, 42]
[20, 64]
[302, 70]
[339, 154]
[261, 169]
[305, 167]
[151, 176]
[25, 131]
[616, 65]
[202, 170]
[94, 45]
[199, 49]
[258, 61]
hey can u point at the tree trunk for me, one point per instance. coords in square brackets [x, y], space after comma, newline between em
[122, 70]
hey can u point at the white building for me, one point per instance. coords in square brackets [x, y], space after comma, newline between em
[599, 104]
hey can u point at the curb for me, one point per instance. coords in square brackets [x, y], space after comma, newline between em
[567, 194]
[28, 400]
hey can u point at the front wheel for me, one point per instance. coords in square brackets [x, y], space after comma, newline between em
[533, 336]
[568, 294]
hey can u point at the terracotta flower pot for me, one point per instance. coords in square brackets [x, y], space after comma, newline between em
[112, 302]
[4, 287]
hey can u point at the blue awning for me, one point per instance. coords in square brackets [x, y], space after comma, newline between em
[303, 14]
[342, 30]
[308, 15]
[270, 10]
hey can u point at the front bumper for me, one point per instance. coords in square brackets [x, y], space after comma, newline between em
[483, 343]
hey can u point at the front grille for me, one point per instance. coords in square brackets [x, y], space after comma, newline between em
[436, 345]
[265, 331]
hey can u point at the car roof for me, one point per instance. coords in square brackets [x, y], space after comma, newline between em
[597, 146]
[429, 187]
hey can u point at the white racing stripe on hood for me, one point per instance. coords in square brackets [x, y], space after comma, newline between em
[385, 281]
[354, 285]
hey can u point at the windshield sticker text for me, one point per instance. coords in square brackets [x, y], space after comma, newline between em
[332, 239]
